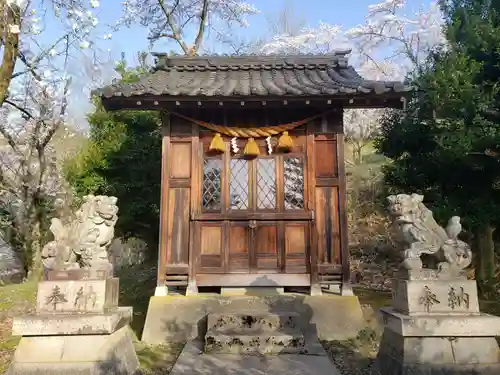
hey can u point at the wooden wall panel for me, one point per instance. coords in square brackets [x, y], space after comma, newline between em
[210, 245]
[266, 247]
[296, 247]
[238, 257]
[180, 160]
[178, 226]
[328, 225]
[326, 159]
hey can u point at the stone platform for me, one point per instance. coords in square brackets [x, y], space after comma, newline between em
[77, 329]
[177, 318]
[76, 354]
[434, 327]
[251, 334]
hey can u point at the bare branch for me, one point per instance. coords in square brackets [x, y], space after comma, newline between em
[175, 31]
[201, 28]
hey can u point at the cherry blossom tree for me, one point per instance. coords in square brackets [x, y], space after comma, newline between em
[35, 82]
[174, 20]
[388, 46]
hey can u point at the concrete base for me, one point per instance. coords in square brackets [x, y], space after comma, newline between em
[316, 290]
[71, 324]
[250, 291]
[181, 318]
[193, 361]
[441, 325]
[346, 290]
[399, 355]
[76, 355]
[161, 291]
[192, 288]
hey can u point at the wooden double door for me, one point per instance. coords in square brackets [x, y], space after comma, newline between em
[254, 216]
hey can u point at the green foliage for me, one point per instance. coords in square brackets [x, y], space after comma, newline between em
[437, 146]
[123, 158]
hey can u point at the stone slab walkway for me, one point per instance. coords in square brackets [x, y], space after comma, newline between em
[193, 361]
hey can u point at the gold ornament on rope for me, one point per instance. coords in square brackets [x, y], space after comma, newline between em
[217, 144]
[285, 142]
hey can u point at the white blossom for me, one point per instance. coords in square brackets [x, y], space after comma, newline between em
[186, 15]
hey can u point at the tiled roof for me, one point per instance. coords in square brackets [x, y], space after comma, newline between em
[252, 76]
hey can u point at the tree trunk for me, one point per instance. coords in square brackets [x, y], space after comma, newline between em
[485, 254]
[36, 271]
[11, 21]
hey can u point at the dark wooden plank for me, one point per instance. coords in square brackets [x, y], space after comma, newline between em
[178, 226]
[238, 247]
[256, 279]
[296, 243]
[331, 269]
[180, 127]
[321, 181]
[179, 183]
[326, 159]
[329, 123]
[328, 225]
[211, 246]
[163, 243]
[177, 269]
[266, 247]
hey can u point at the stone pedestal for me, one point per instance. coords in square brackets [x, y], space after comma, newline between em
[434, 327]
[77, 328]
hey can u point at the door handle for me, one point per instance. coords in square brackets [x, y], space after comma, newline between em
[252, 224]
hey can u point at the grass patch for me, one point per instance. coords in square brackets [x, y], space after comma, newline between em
[14, 300]
[157, 360]
[137, 285]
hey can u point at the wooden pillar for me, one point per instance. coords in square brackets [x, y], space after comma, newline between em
[162, 243]
[311, 191]
[344, 231]
[330, 199]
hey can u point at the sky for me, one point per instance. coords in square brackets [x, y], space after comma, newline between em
[339, 12]
[131, 40]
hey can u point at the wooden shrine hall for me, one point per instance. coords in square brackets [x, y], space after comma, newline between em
[253, 175]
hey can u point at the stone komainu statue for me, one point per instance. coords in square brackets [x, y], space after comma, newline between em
[83, 241]
[424, 236]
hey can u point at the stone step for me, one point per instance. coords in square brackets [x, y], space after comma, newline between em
[265, 343]
[253, 323]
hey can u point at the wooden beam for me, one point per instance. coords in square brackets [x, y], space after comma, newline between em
[260, 279]
[387, 100]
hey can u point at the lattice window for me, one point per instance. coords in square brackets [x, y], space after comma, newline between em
[238, 184]
[212, 184]
[266, 184]
[294, 183]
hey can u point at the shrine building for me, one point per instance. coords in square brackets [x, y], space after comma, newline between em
[253, 172]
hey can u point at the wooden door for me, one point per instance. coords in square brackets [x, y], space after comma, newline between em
[254, 215]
